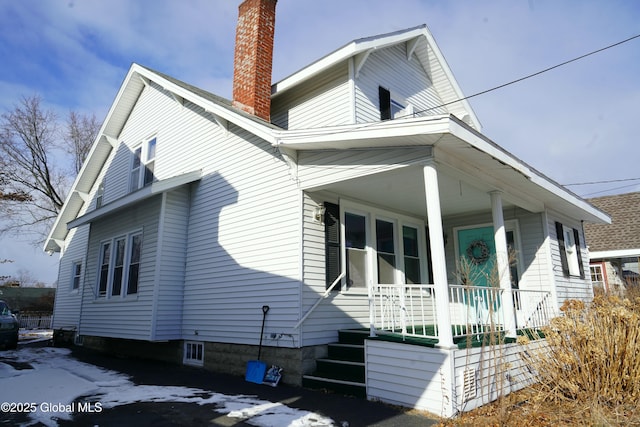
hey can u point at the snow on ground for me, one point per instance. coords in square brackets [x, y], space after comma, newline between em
[57, 380]
[34, 335]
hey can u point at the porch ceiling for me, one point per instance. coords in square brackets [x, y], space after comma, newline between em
[403, 190]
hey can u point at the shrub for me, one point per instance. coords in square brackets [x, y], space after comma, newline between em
[593, 353]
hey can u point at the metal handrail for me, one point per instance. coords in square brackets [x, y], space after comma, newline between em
[322, 297]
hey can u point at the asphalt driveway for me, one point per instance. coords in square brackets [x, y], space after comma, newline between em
[345, 411]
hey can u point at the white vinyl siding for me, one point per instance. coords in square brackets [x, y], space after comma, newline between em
[325, 101]
[406, 79]
[244, 249]
[170, 272]
[317, 168]
[128, 316]
[433, 379]
[67, 301]
[241, 221]
[341, 310]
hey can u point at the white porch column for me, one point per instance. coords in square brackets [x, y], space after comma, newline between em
[502, 263]
[438, 261]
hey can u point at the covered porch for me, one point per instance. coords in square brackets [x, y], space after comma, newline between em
[406, 211]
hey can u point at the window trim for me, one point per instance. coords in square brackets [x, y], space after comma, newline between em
[76, 277]
[598, 266]
[399, 220]
[140, 164]
[127, 253]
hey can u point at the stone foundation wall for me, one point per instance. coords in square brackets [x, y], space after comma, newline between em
[166, 351]
[233, 358]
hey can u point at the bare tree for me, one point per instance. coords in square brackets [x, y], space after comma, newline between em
[81, 132]
[33, 178]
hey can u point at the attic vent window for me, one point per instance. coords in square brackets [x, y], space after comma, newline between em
[393, 106]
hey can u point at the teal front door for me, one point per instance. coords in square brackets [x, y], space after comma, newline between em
[476, 252]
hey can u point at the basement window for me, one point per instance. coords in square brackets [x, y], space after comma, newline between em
[193, 353]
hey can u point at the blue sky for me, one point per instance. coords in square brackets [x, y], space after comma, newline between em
[575, 123]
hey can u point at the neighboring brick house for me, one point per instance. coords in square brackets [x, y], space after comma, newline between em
[614, 249]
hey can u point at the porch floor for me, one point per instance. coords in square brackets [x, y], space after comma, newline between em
[469, 341]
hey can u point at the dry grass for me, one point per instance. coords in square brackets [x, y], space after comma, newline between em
[589, 375]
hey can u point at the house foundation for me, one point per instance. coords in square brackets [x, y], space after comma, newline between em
[218, 357]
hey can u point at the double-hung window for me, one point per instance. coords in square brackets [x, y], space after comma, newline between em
[355, 226]
[119, 265]
[143, 165]
[378, 247]
[570, 255]
[76, 271]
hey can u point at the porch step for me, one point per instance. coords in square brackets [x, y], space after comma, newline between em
[348, 352]
[343, 371]
[352, 336]
[340, 370]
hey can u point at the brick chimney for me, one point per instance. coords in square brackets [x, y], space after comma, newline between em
[253, 57]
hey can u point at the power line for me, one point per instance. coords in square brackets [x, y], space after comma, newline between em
[608, 190]
[532, 75]
[603, 182]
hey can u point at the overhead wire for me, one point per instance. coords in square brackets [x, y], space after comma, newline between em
[533, 74]
[414, 113]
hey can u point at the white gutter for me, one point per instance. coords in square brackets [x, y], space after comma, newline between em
[621, 253]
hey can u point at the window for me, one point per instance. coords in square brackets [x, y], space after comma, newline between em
[392, 106]
[103, 280]
[134, 264]
[411, 255]
[76, 270]
[118, 268]
[570, 255]
[100, 195]
[120, 265]
[356, 249]
[143, 165]
[193, 353]
[376, 246]
[386, 250]
[597, 278]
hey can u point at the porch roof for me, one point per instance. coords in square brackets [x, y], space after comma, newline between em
[157, 187]
[461, 153]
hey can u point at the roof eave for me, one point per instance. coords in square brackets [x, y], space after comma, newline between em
[387, 133]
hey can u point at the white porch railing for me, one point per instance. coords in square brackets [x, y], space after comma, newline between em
[410, 310]
[35, 321]
[406, 309]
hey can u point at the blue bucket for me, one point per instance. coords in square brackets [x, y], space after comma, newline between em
[255, 371]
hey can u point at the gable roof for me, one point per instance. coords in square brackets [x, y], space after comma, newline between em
[134, 83]
[541, 192]
[420, 43]
[622, 236]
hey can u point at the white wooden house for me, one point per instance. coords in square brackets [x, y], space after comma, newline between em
[345, 203]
